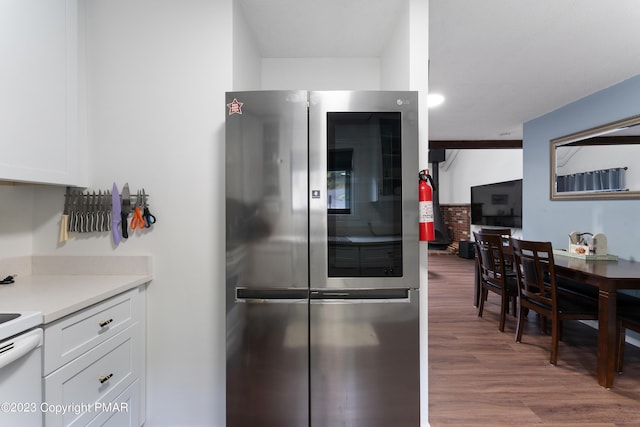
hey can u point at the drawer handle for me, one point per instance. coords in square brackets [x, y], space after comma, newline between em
[104, 378]
[104, 323]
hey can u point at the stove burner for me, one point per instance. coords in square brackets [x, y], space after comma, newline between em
[14, 322]
[5, 317]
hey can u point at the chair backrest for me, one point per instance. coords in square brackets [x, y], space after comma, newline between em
[535, 271]
[504, 232]
[491, 257]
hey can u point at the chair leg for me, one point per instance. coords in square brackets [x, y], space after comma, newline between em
[555, 326]
[483, 297]
[520, 325]
[504, 299]
[622, 338]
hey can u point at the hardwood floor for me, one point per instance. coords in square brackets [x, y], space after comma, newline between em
[479, 376]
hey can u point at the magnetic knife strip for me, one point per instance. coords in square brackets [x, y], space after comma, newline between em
[90, 211]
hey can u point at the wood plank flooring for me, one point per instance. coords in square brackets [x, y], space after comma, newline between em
[479, 376]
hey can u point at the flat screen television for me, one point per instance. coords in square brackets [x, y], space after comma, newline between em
[498, 204]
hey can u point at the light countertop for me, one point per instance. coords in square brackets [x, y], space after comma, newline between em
[57, 286]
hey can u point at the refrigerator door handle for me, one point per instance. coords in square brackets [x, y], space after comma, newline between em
[264, 295]
[331, 295]
[396, 295]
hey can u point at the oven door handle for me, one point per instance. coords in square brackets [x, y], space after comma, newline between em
[21, 346]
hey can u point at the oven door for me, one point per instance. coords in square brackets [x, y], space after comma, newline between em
[21, 380]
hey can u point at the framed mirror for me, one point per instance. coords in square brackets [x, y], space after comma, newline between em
[598, 163]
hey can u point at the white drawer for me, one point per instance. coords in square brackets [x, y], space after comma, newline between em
[73, 335]
[97, 376]
[120, 412]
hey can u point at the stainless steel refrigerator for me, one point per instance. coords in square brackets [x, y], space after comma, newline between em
[322, 259]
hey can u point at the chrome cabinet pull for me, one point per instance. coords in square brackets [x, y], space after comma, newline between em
[104, 378]
[104, 323]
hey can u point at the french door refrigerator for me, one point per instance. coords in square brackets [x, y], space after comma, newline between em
[322, 259]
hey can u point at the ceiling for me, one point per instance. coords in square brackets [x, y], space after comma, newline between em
[499, 63]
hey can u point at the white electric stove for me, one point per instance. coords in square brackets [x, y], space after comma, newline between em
[21, 369]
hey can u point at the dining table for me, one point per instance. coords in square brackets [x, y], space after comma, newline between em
[609, 276]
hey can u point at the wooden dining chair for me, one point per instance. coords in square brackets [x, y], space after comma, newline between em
[505, 233]
[493, 274]
[628, 318]
[537, 291]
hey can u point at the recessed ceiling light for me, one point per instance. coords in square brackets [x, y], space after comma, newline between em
[434, 99]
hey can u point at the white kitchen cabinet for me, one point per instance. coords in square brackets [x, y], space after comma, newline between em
[72, 336]
[94, 364]
[117, 413]
[42, 118]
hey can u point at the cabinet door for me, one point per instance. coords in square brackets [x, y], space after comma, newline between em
[40, 48]
[92, 380]
[74, 335]
[120, 412]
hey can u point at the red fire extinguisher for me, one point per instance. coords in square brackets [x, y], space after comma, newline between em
[425, 201]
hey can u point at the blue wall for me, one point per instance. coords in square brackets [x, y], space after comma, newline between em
[548, 220]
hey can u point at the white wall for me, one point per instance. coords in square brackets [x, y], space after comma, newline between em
[416, 17]
[247, 61]
[16, 222]
[157, 72]
[463, 169]
[321, 73]
[394, 74]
